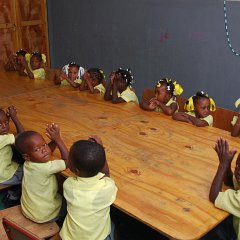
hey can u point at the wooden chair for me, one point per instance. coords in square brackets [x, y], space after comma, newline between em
[222, 118]
[17, 225]
[2, 187]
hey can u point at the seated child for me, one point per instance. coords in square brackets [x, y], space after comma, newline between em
[93, 80]
[35, 68]
[228, 200]
[89, 194]
[70, 75]
[40, 200]
[15, 60]
[165, 97]
[236, 122]
[119, 89]
[198, 107]
[10, 172]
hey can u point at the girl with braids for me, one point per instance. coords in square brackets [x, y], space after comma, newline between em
[14, 61]
[70, 75]
[198, 110]
[93, 80]
[119, 89]
[165, 97]
[34, 69]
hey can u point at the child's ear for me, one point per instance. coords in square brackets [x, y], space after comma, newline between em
[26, 157]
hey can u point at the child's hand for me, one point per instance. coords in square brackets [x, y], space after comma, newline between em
[62, 76]
[11, 112]
[113, 77]
[53, 132]
[153, 103]
[96, 139]
[224, 154]
[237, 169]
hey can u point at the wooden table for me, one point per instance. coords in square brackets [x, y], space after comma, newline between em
[163, 168]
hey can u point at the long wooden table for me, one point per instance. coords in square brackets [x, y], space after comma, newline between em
[163, 168]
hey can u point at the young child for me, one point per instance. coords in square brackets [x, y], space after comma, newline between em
[236, 122]
[40, 200]
[70, 75]
[228, 200]
[198, 107]
[15, 60]
[165, 97]
[89, 194]
[93, 80]
[35, 68]
[119, 89]
[10, 172]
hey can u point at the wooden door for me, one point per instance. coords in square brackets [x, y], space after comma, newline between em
[23, 24]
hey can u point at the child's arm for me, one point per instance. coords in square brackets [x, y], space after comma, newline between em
[168, 110]
[86, 77]
[12, 113]
[11, 63]
[236, 128]
[26, 67]
[224, 172]
[115, 98]
[149, 105]
[83, 86]
[53, 133]
[108, 93]
[105, 168]
[181, 116]
[58, 76]
[198, 122]
[72, 83]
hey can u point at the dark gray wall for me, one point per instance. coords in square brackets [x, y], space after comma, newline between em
[180, 39]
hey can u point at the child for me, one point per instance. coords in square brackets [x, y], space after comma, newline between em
[119, 89]
[15, 60]
[40, 199]
[89, 194]
[35, 68]
[70, 75]
[10, 171]
[236, 122]
[228, 200]
[198, 107]
[165, 97]
[93, 80]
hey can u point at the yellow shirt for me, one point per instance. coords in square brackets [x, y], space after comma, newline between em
[66, 83]
[172, 100]
[128, 95]
[230, 202]
[88, 206]
[40, 199]
[208, 119]
[100, 88]
[7, 166]
[37, 73]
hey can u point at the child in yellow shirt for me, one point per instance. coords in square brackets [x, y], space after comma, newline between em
[198, 109]
[40, 200]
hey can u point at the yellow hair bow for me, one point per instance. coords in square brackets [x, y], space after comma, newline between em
[158, 84]
[189, 106]
[44, 58]
[212, 105]
[178, 90]
[237, 103]
[101, 71]
[28, 57]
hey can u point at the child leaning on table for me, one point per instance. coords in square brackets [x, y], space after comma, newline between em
[120, 89]
[198, 109]
[40, 199]
[89, 194]
[93, 80]
[236, 122]
[10, 172]
[32, 65]
[228, 200]
[70, 75]
[165, 97]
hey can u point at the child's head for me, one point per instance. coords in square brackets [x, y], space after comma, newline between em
[20, 55]
[4, 123]
[86, 158]
[164, 90]
[36, 60]
[96, 76]
[33, 147]
[201, 104]
[73, 71]
[124, 79]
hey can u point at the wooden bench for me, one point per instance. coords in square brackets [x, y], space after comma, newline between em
[41, 230]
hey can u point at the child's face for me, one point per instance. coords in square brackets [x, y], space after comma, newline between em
[4, 123]
[20, 58]
[162, 94]
[35, 63]
[121, 84]
[38, 150]
[73, 72]
[202, 107]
